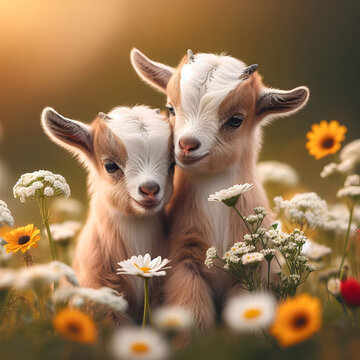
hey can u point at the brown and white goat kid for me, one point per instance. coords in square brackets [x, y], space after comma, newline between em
[218, 106]
[129, 157]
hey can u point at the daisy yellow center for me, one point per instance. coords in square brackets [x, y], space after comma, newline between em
[23, 239]
[252, 313]
[328, 143]
[172, 322]
[140, 348]
[144, 269]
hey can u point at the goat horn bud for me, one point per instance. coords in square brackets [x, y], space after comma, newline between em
[103, 116]
[248, 71]
[190, 56]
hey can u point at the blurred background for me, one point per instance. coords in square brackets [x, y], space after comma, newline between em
[74, 56]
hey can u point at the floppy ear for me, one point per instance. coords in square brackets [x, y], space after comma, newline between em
[272, 102]
[70, 134]
[155, 74]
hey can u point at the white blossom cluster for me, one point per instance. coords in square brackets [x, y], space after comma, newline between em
[211, 254]
[251, 258]
[305, 209]
[351, 189]
[336, 220]
[237, 251]
[5, 215]
[349, 160]
[104, 296]
[40, 184]
[277, 173]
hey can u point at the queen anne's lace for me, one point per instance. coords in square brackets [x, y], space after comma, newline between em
[39, 184]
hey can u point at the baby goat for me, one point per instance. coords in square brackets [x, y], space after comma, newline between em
[217, 108]
[129, 157]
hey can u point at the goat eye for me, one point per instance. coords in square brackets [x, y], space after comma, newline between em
[170, 109]
[111, 167]
[235, 121]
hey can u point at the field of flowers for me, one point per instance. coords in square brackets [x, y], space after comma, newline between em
[300, 277]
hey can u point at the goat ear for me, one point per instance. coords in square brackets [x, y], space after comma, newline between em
[155, 74]
[70, 134]
[272, 102]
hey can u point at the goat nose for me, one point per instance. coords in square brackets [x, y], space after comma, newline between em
[149, 189]
[188, 144]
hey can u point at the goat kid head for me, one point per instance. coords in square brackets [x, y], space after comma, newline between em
[216, 105]
[128, 153]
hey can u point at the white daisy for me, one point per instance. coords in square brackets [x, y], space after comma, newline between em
[103, 296]
[231, 195]
[133, 344]
[315, 251]
[172, 318]
[5, 215]
[251, 258]
[248, 313]
[41, 183]
[143, 266]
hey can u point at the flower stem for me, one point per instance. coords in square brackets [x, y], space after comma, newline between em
[242, 218]
[147, 312]
[45, 219]
[268, 276]
[41, 306]
[341, 270]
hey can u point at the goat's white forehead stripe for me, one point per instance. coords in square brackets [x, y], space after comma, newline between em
[206, 82]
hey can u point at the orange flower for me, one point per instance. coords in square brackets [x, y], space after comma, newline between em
[22, 238]
[325, 138]
[296, 320]
[76, 326]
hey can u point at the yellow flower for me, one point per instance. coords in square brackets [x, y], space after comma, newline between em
[325, 138]
[296, 320]
[22, 238]
[76, 326]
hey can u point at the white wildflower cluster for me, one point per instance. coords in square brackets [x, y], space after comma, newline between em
[349, 160]
[275, 173]
[105, 296]
[40, 184]
[5, 215]
[268, 254]
[236, 252]
[351, 190]
[65, 231]
[250, 258]
[303, 210]
[211, 254]
[230, 196]
[37, 276]
[336, 219]
[4, 256]
[290, 247]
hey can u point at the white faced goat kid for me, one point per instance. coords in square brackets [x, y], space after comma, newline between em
[129, 157]
[218, 107]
